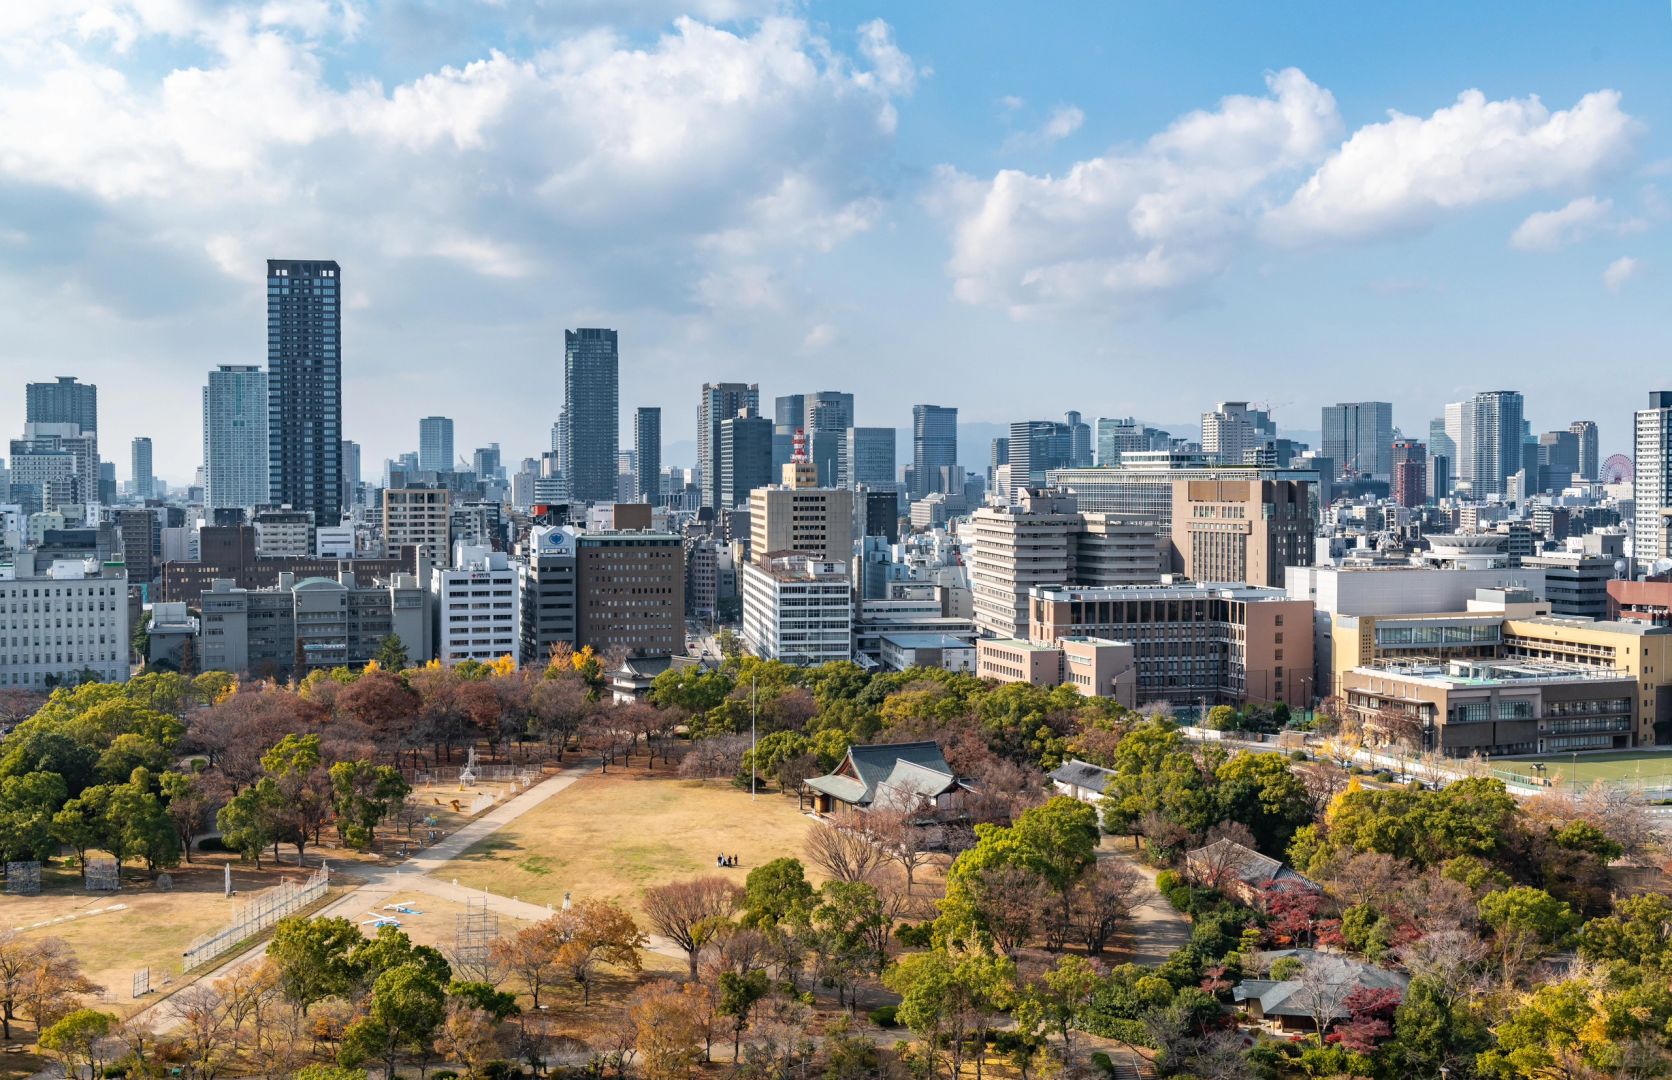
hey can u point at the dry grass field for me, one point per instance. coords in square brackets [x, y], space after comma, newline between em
[114, 934]
[612, 835]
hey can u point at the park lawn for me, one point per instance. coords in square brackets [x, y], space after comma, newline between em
[1652, 767]
[611, 835]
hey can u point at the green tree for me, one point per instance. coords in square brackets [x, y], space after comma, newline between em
[942, 1000]
[1636, 933]
[1058, 999]
[78, 1037]
[772, 751]
[847, 935]
[27, 805]
[128, 752]
[1431, 1031]
[391, 948]
[80, 822]
[329, 1072]
[364, 795]
[406, 1006]
[141, 819]
[249, 822]
[314, 958]
[1222, 718]
[739, 993]
[391, 654]
[1056, 841]
[499, 1004]
[691, 689]
[1525, 922]
[1263, 793]
[1154, 773]
[775, 891]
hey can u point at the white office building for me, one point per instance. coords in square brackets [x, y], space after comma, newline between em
[1652, 479]
[797, 608]
[476, 606]
[61, 620]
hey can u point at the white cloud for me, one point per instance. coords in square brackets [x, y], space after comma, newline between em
[706, 156]
[1620, 271]
[1148, 223]
[1064, 121]
[1402, 173]
[820, 336]
[1552, 230]
[1137, 222]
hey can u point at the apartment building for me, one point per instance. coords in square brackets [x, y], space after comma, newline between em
[308, 624]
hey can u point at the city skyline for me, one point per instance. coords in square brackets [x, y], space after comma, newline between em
[885, 251]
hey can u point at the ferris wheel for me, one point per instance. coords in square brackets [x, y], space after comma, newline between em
[1616, 470]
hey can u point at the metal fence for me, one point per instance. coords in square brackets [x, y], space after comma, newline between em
[522, 775]
[257, 914]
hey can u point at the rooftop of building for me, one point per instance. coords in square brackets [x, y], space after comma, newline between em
[1187, 590]
[925, 641]
[1602, 626]
[1460, 674]
[790, 565]
[1018, 644]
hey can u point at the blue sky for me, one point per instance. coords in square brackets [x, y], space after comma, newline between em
[1015, 209]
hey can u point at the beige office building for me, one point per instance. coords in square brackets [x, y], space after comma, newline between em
[1242, 530]
[421, 516]
[800, 516]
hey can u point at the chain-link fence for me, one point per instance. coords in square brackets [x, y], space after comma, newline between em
[257, 914]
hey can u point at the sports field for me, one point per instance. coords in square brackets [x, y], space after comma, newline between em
[1651, 768]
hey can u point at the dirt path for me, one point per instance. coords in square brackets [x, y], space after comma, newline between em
[1157, 930]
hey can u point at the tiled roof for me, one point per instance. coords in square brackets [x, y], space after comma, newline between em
[1082, 774]
[1342, 975]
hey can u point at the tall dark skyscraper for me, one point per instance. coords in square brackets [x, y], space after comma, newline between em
[591, 404]
[145, 483]
[304, 387]
[647, 454]
[63, 401]
[435, 444]
[934, 443]
[829, 415]
[1586, 431]
[744, 449]
[720, 402]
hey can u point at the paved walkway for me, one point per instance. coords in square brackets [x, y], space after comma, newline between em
[380, 883]
[1157, 929]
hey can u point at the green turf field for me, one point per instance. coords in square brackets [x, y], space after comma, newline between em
[1652, 767]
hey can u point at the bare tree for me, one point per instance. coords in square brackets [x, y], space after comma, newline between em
[690, 913]
[1009, 901]
[844, 852]
[1453, 959]
[1367, 877]
[904, 842]
[717, 758]
[203, 1016]
[1322, 992]
[1102, 897]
